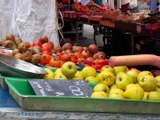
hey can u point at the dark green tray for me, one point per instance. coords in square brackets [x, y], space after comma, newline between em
[22, 92]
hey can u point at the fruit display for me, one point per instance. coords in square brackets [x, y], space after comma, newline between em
[10, 41]
[43, 52]
[117, 82]
[90, 7]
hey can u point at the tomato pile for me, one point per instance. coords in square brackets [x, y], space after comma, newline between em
[55, 55]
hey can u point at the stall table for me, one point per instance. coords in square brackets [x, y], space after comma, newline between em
[132, 29]
[10, 110]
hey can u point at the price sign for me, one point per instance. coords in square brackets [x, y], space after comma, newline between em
[61, 87]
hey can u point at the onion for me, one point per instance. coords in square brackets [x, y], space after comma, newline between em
[86, 53]
[43, 39]
[67, 46]
[77, 49]
[101, 55]
[57, 48]
[93, 48]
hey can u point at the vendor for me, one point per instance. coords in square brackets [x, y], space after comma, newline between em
[131, 5]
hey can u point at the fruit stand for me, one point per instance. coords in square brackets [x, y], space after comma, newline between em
[21, 95]
[42, 80]
[134, 24]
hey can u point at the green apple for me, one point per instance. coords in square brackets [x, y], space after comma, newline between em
[154, 95]
[118, 69]
[143, 73]
[92, 79]
[132, 85]
[106, 77]
[101, 87]
[157, 79]
[158, 87]
[58, 70]
[49, 74]
[89, 71]
[60, 76]
[107, 68]
[113, 86]
[148, 83]
[99, 94]
[133, 73]
[116, 93]
[69, 69]
[145, 97]
[122, 80]
[134, 91]
[78, 76]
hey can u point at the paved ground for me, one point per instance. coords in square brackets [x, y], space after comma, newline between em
[87, 37]
[88, 34]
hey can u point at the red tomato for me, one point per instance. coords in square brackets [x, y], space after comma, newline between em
[81, 60]
[54, 63]
[90, 63]
[65, 57]
[45, 58]
[38, 43]
[102, 62]
[74, 59]
[46, 52]
[61, 63]
[97, 67]
[78, 55]
[46, 46]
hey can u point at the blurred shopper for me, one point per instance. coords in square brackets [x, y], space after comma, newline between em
[98, 30]
[131, 5]
[153, 5]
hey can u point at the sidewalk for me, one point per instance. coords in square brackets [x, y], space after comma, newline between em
[87, 37]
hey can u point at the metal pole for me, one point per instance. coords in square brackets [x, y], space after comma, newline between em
[132, 44]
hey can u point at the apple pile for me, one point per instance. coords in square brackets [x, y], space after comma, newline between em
[117, 82]
[122, 83]
[69, 71]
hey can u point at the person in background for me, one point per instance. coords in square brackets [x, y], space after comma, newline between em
[131, 5]
[153, 4]
[125, 5]
[97, 30]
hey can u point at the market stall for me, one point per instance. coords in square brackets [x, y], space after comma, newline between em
[114, 23]
[44, 80]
